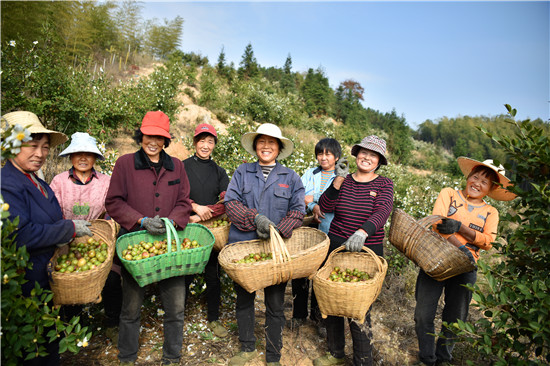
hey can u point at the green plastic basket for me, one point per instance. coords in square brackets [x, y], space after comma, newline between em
[170, 264]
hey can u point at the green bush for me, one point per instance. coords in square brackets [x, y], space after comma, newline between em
[516, 300]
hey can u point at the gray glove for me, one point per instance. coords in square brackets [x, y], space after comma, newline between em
[448, 226]
[342, 168]
[262, 226]
[154, 225]
[466, 251]
[356, 241]
[81, 228]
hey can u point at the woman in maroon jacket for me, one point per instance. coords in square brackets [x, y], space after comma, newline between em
[145, 186]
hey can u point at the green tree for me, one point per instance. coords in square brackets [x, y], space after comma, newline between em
[316, 93]
[288, 80]
[128, 19]
[516, 304]
[161, 40]
[248, 66]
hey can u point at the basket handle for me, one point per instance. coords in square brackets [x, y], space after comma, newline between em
[430, 220]
[278, 246]
[171, 230]
[365, 249]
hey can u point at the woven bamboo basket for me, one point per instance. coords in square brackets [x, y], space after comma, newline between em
[296, 257]
[349, 299]
[426, 248]
[83, 287]
[221, 234]
[170, 264]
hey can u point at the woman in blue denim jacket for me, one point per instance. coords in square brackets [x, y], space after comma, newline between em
[260, 195]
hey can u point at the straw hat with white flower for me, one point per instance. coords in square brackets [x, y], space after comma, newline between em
[31, 122]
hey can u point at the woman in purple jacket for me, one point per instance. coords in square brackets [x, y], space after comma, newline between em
[362, 203]
[145, 186]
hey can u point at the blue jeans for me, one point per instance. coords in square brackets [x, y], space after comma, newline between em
[172, 294]
[274, 320]
[457, 302]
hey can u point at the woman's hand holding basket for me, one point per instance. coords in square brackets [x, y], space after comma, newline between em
[82, 227]
[262, 226]
[448, 226]
[154, 225]
[356, 242]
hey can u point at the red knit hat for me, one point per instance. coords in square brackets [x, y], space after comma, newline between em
[156, 124]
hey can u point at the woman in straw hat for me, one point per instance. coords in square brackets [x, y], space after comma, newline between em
[260, 195]
[208, 183]
[145, 186]
[81, 192]
[41, 225]
[361, 203]
[471, 225]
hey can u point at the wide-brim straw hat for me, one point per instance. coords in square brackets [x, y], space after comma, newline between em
[31, 122]
[373, 143]
[499, 193]
[82, 142]
[268, 129]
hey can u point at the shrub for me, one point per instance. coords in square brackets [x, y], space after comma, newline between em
[516, 300]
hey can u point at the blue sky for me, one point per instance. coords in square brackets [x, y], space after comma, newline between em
[426, 60]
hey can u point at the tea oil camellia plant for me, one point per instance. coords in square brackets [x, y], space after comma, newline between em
[24, 319]
[516, 305]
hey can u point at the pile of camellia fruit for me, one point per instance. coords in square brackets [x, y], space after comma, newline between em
[146, 249]
[82, 256]
[219, 223]
[254, 257]
[348, 275]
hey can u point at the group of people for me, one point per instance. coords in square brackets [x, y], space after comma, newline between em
[352, 208]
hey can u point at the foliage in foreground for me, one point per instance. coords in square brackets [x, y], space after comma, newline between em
[24, 319]
[516, 305]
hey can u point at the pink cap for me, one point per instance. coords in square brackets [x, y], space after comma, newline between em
[205, 128]
[156, 124]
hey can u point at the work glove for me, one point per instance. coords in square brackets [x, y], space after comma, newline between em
[81, 228]
[154, 225]
[262, 226]
[468, 253]
[342, 168]
[448, 226]
[356, 241]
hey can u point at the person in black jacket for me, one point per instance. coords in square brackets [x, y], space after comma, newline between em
[208, 183]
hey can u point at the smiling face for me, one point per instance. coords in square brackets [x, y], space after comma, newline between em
[33, 154]
[83, 162]
[326, 160]
[204, 146]
[152, 145]
[367, 160]
[478, 185]
[267, 149]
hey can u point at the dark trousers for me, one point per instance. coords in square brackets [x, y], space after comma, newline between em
[457, 302]
[274, 320]
[172, 294]
[112, 299]
[212, 272]
[361, 336]
[300, 297]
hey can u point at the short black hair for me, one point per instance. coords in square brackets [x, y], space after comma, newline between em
[281, 145]
[138, 138]
[38, 136]
[487, 172]
[330, 145]
[203, 135]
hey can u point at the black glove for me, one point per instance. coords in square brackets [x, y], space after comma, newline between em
[342, 168]
[154, 225]
[356, 241]
[468, 253]
[81, 228]
[262, 226]
[448, 226]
